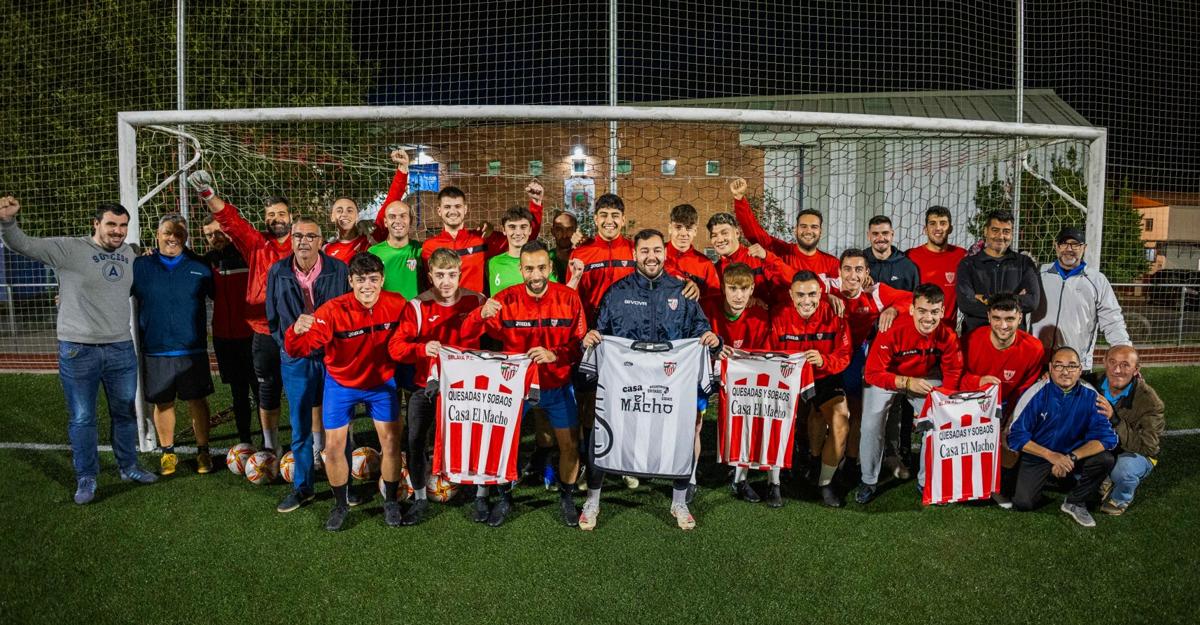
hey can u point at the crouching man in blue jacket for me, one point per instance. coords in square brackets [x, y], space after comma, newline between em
[1060, 430]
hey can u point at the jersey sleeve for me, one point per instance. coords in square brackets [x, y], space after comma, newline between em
[535, 227]
[837, 360]
[395, 192]
[875, 371]
[245, 238]
[496, 243]
[405, 345]
[754, 231]
[894, 298]
[778, 272]
[568, 351]
[301, 345]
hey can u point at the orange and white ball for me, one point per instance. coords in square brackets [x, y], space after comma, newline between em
[262, 468]
[236, 459]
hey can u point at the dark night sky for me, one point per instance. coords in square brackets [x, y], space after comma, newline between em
[1130, 67]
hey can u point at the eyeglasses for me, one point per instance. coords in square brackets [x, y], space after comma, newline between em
[1072, 246]
[1071, 367]
[300, 236]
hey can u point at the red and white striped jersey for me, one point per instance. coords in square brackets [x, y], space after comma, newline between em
[481, 398]
[961, 454]
[759, 394]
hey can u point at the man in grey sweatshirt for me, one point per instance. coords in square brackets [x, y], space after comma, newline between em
[95, 346]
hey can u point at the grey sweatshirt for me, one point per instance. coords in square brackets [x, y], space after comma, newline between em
[93, 284]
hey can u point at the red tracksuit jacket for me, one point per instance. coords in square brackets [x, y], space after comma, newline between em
[824, 331]
[425, 320]
[863, 311]
[355, 339]
[695, 266]
[260, 250]
[475, 250]
[604, 262]
[772, 276]
[1017, 367]
[819, 263]
[554, 321]
[345, 250]
[902, 350]
[752, 330]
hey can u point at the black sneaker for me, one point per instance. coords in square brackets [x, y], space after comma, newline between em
[481, 510]
[744, 491]
[866, 492]
[829, 497]
[294, 500]
[337, 518]
[691, 493]
[499, 512]
[391, 513]
[416, 512]
[567, 508]
[775, 498]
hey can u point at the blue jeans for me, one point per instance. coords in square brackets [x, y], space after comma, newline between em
[303, 384]
[82, 368]
[1129, 471]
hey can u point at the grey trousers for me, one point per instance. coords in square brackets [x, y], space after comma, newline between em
[876, 403]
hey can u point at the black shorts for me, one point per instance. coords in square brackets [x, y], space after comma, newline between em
[265, 353]
[235, 360]
[168, 378]
[827, 388]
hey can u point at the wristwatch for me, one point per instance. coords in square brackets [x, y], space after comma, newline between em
[1073, 457]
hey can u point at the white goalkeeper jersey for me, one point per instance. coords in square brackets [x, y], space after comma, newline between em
[646, 400]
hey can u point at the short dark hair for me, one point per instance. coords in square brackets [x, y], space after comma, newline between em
[451, 192]
[1006, 302]
[208, 219]
[805, 275]
[516, 213]
[343, 197]
[109, 207]
[811, 211]
[937, 211]
[610, 200]
[852, 252]
[1001, 215]
[879, 219]
[533, 247]
[561, 213]
[277, 199]
[721, 219]
[647, 234]
[930, 292]
[1065, 348]
[685, 215]
[364, 263]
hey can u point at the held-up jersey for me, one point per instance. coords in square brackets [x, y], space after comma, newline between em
[481, 398]
[759, 395]
[425, 320]
[961, 454]
[646, 398]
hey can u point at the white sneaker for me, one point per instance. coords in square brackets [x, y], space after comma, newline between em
[1079, 513]
[630, 482]
[1002, 500]
[587, 517]
[683, 517]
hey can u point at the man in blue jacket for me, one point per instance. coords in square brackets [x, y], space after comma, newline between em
[170, 287]
[648, 305]
[1059, 430]
[297, 285]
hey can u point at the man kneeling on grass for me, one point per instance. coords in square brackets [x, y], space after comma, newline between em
[1060, 430]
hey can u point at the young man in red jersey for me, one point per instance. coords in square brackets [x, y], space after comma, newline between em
[607, 257]
[937, 260]
[740, 324]
[811, 327]
[543, 320]
[1005, 355]
[354, 330]
[801, 255]
[771, 275]
[474, 247]
[432, 319]
[916, 354]
[684, 261]
[343, 214]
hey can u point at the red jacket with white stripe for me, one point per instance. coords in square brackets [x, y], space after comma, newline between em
[475, 250]
[695, 266]
[818, 262]
[903, 350]
[862, 310]
[425, 320]
[604, 262]
[824, 332]
[355, 339]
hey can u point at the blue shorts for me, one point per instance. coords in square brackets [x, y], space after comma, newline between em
[340, 402]
[852, 377]
[559, 406]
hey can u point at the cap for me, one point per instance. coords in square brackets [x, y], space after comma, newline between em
[1070, 233]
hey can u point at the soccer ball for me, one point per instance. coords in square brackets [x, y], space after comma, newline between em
[364, 463]
[236, 459]
[261, 468]
[405, 491]
[287, 467]
[440, 489]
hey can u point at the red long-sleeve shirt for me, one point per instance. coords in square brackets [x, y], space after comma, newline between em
[772, 276]
[903, 350]
[425, 320]
[940, 268]
[695, 266]
[862, 311]
[604, 262]
[260, 250]
[818, 262]
[751, 330]
[355, 339]
[554, 321]
[1017, 367]
[474, 249]
[345, 250]
[824, 331]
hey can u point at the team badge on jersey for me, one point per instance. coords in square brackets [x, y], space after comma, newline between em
[507, 370]
[738, 344]
[669, 367]
[787, 368]
[1008, 375]
[950, 277]
[411, 264]
[673, 303]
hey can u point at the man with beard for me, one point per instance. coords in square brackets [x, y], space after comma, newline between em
[648, 305]
[343, 214]
[804, 254]
[261, 250]
[94, 343]
[231, 335]
[937, 260]
[889, 265]
[996, 269]
[563, 229]
[543, 320]
[1077, 302]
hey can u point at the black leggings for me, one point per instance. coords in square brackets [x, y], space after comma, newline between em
[422, 414]
[242, 392]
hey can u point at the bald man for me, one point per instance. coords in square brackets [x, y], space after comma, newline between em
[1137, 415]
